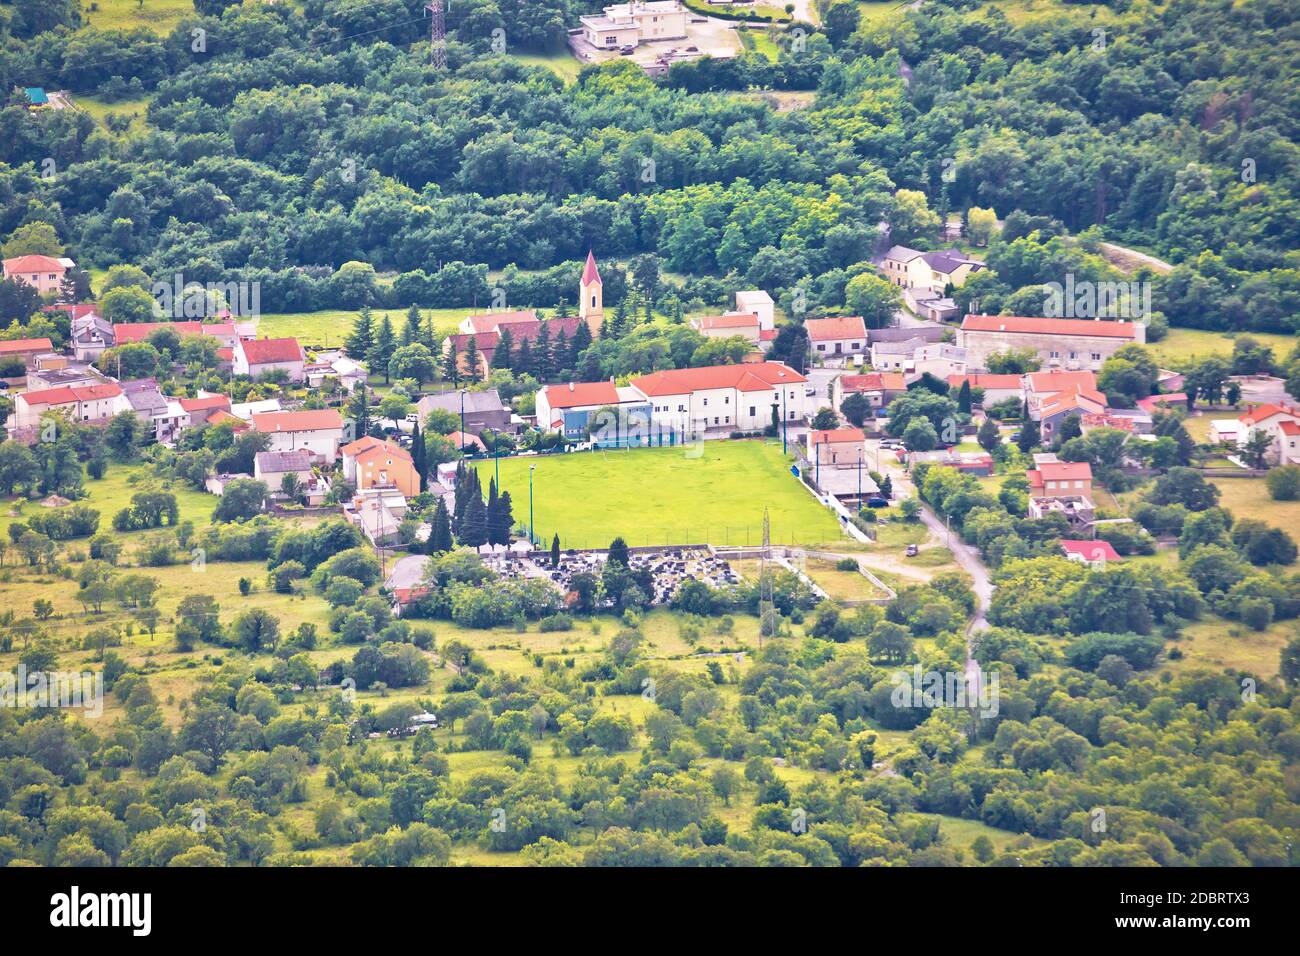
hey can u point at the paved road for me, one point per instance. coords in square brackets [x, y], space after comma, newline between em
[407, 571]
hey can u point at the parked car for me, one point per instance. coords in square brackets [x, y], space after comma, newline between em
[913, 550]
[877, 501]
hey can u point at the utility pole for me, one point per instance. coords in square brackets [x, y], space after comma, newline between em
[532, 537]
[785, 420]
[437, 35]
[462, 423]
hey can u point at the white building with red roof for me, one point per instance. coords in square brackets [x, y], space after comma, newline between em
[1096, 553]
[1058, 343]
[254, 357]
[843, 335]
[994, 388]
[43, 273]
[320, 431]
[743, 324]
[837, 447]
[202, 408]
[1281, 423]
[879, 388]
[724, 398]
[89, 404]
[1052, 478]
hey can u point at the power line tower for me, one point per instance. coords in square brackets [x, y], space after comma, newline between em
[766, 595]
[437, 34]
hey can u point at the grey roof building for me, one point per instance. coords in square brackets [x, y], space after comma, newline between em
[483, 409]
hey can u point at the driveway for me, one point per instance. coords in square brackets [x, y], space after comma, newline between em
[407, 572]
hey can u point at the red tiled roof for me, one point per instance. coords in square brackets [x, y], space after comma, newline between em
[1289, 428]
[750, 377]
[589, 272]
[1262, 413]
[383, 449]
[1060, 380]
[199, 404]
[70, 394]
[1039, 326]
[267, 351]
[124, 332]
[742, 320]
[360, 445]
[767, 335]
[30, 264]
[459, 439]
[226, 355]
[1065, 471]
[1102, 420]
[834, 435]
[985, 381]
[841, 327]
[1091, 550]
[577, 394]
[1152, 402]
[221, 416]
[302, 421]
[874, 382]
[488, 321]
[1065, 401]
[25, 345]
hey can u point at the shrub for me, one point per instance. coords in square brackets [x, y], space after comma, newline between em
[1284, 483]
[555, 622]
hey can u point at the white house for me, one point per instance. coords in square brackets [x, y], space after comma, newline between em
[1282, 424]
[92, 403]
[639, 21]
[319, 431]
[254, 357]
[844, 335]
[744, 324]
[759, 303]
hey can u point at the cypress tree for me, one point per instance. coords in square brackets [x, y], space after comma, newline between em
[555, 551]
[506, 516]
[964, 397]
[411, 331]
[523, 362]
[505, 352]
[473, 524]
[472, 371]
[451, 363]
[440, 532]
[493, 515]
[420, 456]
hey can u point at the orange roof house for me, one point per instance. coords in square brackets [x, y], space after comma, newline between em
[25, 349]
[842, 335]
[1059, 478]
[370, 462]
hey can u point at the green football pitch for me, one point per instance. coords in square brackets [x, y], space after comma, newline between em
[708, 493]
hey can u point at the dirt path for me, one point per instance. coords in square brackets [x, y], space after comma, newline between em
[1130, 260]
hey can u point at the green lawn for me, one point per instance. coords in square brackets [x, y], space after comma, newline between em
[113, 492]
[160, 16]
[1181, 346]
[654, 496]
[1249, 498]
[99, 109]
[878, 13]
[329, 327]
[565, 65]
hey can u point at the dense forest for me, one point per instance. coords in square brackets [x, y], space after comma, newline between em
[283, 143]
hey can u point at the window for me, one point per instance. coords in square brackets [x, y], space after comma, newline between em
[1096, 356]
[752, 411]
[726, 400]
[706, 401]
[715, 419]
[727, 420]
[1074, 355]
[821, 348]
[1055, 355]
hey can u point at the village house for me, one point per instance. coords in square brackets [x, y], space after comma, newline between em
[319, 431]
[373, 463]
[1077, 510]
[255, 357]
[484, 409]
[879, 388]
[1052, 478]
[1281, 423]
[55, 370]
[492, 321]
[929, 272]
[378, 512]
[745, 325]
[164, 416]
[25, 349]
[567, 409]
[1058, 343]
[895, 356]
[236, 424]
[843, 335]
[43, 273]
[1095, 553]
[202, 408]
[837, 447]
[988, 389]
[629, 24]
[521, 330]
[91, 335]
[91, 404]
[467, 444]
[272, 467]
[246, 410]
[338, 366]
